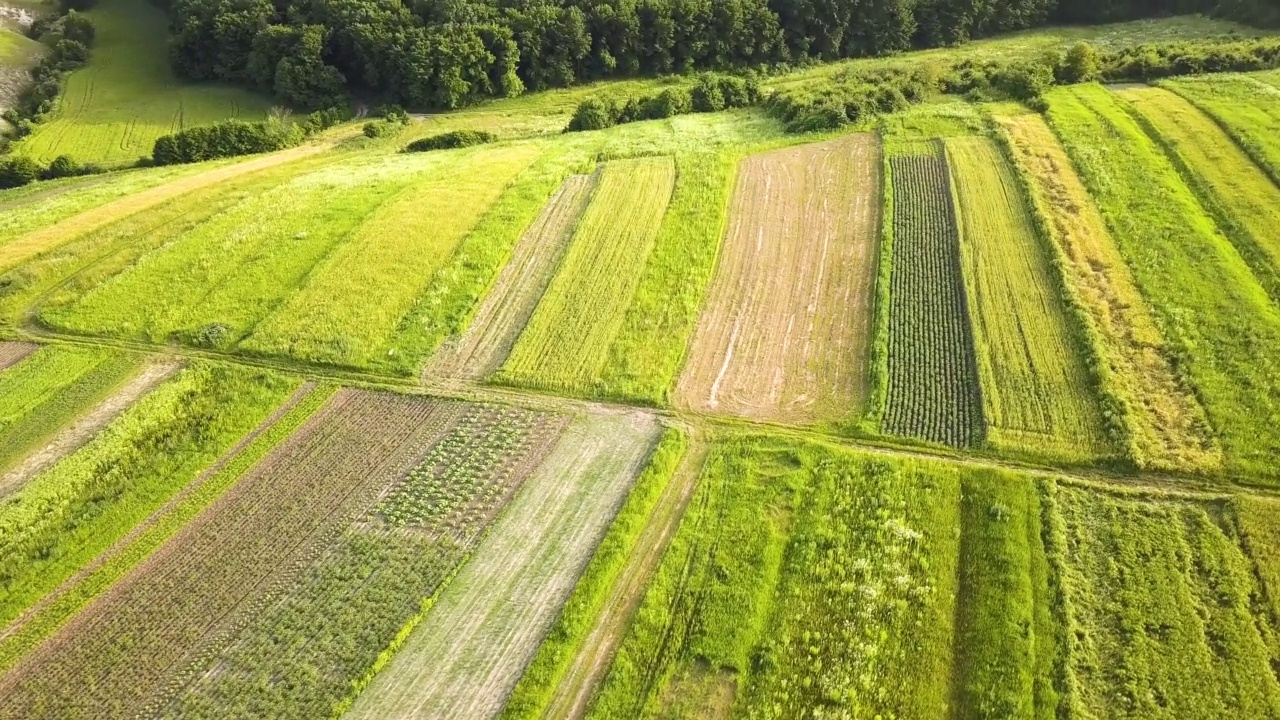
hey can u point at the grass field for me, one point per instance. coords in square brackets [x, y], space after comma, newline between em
[1243, 199]
[566, 341]
[1037, 392]
[112, 110]
[1246, 108]
[1159, 418]
[933, 383]
[785, 333]
[1222, 327]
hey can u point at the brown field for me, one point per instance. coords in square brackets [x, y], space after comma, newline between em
[1167, 426]
[11, 353]
[37, 242]
[470, 650]
[130, 644]
[509, 305]
[785, 334]
[85, 428]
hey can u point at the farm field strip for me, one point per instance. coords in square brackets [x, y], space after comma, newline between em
[1242, 198]
[774, 530]
[66, 516]
[784, 336]
[213, 285]
[567, 340]
[470, 649]
[82, 429]
[36, 242]
[12, 353]
[1164, 426]
[1222, 327]
[399, 249]
[1038, 395]
[379, 573]
[508, 306]
[933, 383]
[132, 640]
[1246, 109]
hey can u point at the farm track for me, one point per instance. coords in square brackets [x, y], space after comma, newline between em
[14, 352]
[470, 651]
[785, 333]
[82, 430]
[539, 400]
[130, 641]
[509, 305]
[574, 693]
[39, 241]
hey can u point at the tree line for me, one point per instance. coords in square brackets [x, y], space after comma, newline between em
[447, 53]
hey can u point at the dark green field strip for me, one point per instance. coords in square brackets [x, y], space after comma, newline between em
[1221, 325]
[934, 390]
[50, 390]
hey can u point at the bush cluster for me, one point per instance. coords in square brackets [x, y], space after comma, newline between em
[711, 92]
[393, 120]
[69, 36]
[852, 97]
[225, 139]
[17, 171]
[451, 140]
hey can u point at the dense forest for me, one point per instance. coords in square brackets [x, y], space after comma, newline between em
[446, 53]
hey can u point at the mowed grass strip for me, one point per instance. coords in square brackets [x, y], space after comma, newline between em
[470, 649]
[1164, 427]
[132, 642]
[1159, 600]
[567, 339]
[510, 303]
[48, 391]
[214, 284]
[112, 110]
[66, 516]
[1243, 199]
[352, 303]
[1222, 327]
[297, 658]
[1038, 395]
[784, 336]
[35, 242]
[1246, 108]
[933, 383]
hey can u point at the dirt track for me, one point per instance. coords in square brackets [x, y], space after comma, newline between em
[511, 302]
[784, 335]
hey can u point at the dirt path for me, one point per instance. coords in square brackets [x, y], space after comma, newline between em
[784, 336]
[12, 353]
[574, 694]
[34, 243]
[81, 431]
[127, 540]
[464, 659]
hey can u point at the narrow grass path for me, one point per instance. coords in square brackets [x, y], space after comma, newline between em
[574, 694]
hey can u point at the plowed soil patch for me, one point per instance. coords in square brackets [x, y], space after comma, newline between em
[12, 353]
[784, 336]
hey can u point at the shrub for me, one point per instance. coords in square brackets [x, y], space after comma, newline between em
[18, 171]
[593, 114]
[450, 140]
[1024, 81]
[1080, 65]
[62, 166]
[322, 120]
[707, 96]
[225, 139]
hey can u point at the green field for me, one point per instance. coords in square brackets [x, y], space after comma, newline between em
[112, 111]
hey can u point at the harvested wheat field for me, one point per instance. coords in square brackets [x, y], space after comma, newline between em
[12, 353]
[784, 335]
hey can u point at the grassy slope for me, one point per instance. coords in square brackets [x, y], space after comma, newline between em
[1037, 391]
[113, 110]
[1219, 321]
[1246, 108]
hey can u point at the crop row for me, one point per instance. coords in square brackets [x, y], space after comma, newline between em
[933, 391]
[132, 642]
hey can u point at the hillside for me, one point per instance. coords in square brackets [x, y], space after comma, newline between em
[957, 410]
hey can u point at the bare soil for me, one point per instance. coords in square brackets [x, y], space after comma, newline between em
[509, 305]
[12, 353]
[784, 336]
